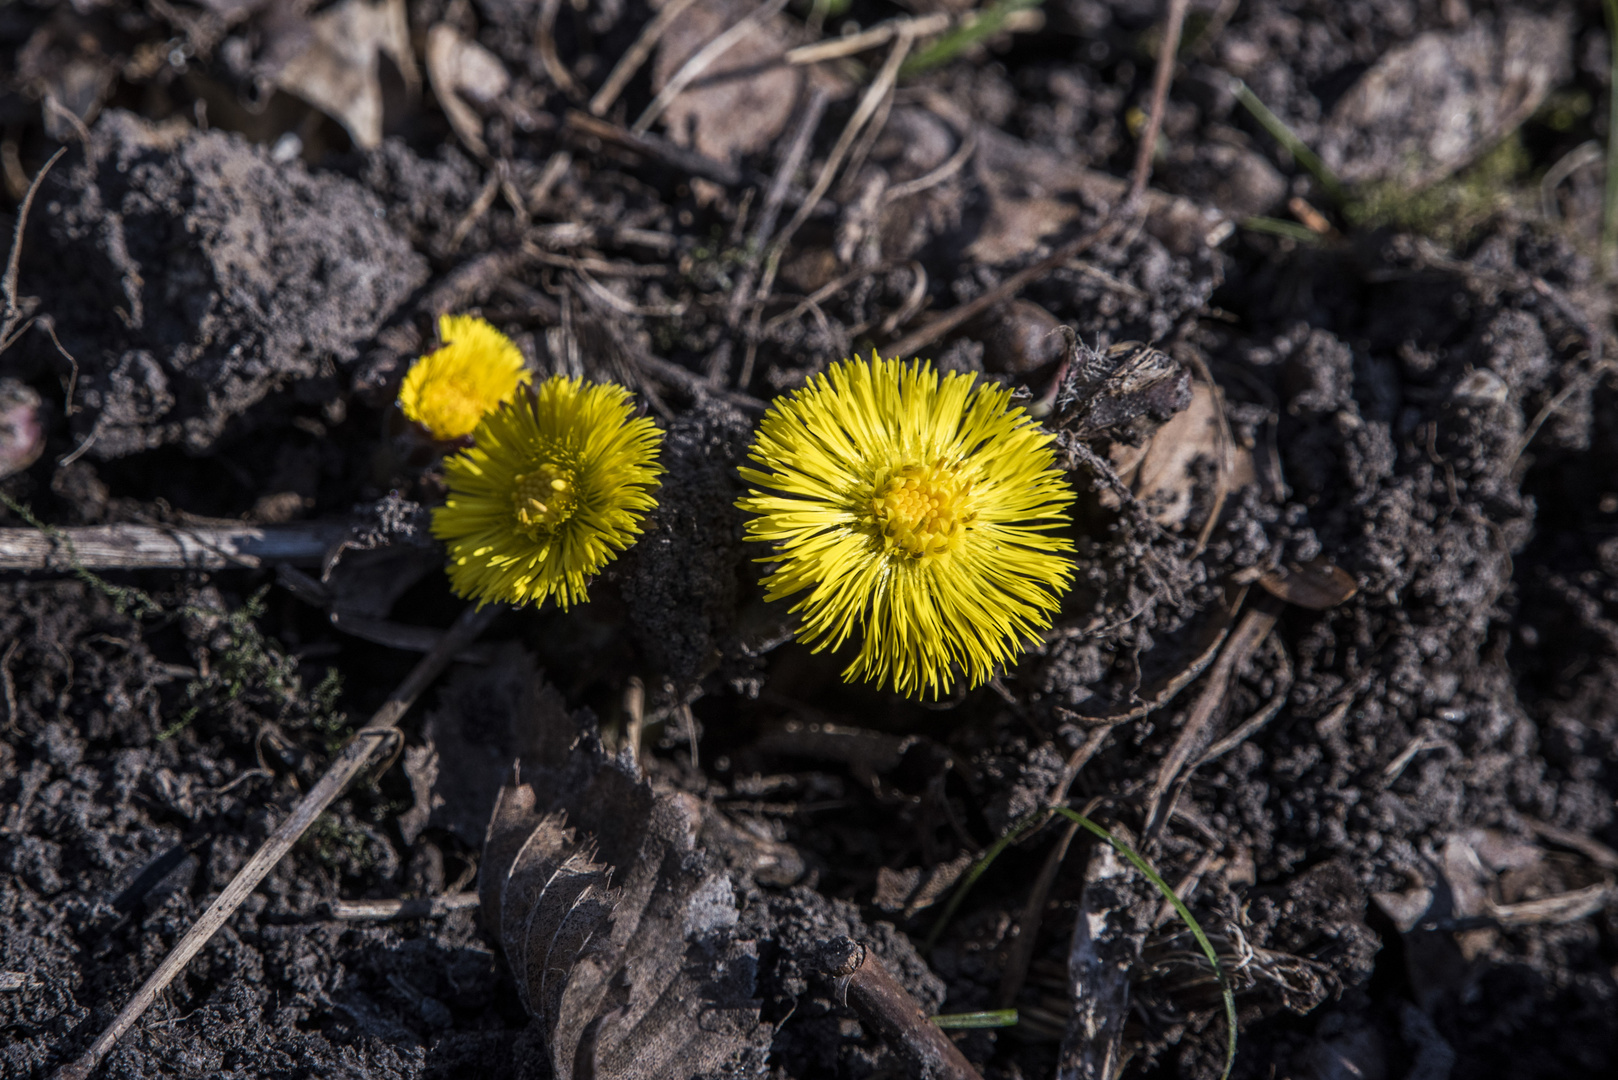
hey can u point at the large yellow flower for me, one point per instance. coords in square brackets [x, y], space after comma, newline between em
[554, 486]
[450, 389]
[917, 512]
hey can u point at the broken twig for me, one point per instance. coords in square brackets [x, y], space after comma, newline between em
[889, 1009]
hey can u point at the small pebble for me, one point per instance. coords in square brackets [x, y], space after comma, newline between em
[22, 429]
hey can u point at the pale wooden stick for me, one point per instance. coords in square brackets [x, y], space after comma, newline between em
[165, 547]
[880, 34]
[379, 731]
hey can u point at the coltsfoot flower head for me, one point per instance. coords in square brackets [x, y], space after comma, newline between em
[450, 389]
[917, 512]
[555, 484]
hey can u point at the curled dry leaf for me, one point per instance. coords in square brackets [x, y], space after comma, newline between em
[337, 73]
[1124, 393]
[462, 71]
[620, 930]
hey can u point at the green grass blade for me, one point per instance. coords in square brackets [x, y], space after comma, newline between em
[1280, 227]
[948, 46]
[999, 1018]
[1185, 914]
[1295, 146]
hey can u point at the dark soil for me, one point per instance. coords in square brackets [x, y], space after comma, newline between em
[1409, 866]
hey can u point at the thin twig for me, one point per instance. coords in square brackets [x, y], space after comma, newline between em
[1225, 466]
[826, 292]
[1583, 382]
[1609, 202]
[680, 158]
[880, 34]
[873, 98]
[1247, 728]
[912, 344]
[387, 910]
[7, 684]
[954, 164]
[693, 68]
[545, 45]
[867, 107]
[556, 167]
[11, 313]
[475, 212]
[631, 61]
[1250, 633]
[769, 214]
[48, 324]
[1167, 48]
[381, 730]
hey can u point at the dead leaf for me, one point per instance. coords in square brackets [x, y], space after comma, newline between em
[1125, 392]
[1160, 471]
[338, 74]
[486, 718]
[619, 928]
[1316, 585]
[462, 71]
[1435, 104]
[915, 888]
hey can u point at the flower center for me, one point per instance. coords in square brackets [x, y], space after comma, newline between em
[918, 509]
[544, 498]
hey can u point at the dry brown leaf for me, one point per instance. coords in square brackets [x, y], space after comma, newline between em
[1159, 471]
[337, 73]
[619, 928]
[742, 102]
[1316, 585]
[462, 71]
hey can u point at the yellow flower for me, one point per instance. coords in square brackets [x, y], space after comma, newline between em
[450, 389]
[554, 485]
[916, 512]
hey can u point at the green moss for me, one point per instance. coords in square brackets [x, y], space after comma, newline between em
[1452, 210]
